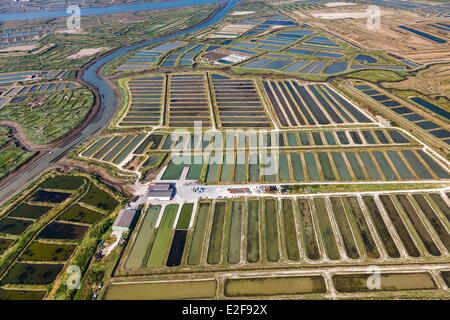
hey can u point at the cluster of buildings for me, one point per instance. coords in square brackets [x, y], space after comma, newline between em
[127, 216]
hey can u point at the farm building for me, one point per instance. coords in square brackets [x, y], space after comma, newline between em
[161, 191]
[124, 220]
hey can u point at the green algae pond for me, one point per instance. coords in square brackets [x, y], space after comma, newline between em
[196, 248]
[99, 198]
[4, 244]
[78, 213]
[45, 251]
[163, 237]
[63, 231]
[144, 239]
[25, 210]
[32, 274]
[271, 239]
[216, 236]
[162, 290]
[253, 231]
[173, 171]
[64, 182]
[15, 294]
[41, 251]
[270, 286]
[50, 196]
[235, 229]
[14, 226]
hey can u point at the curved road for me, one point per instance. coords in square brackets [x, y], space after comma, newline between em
[108, 106]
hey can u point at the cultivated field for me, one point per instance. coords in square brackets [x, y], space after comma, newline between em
[49, 111]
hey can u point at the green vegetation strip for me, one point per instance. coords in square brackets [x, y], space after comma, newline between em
[362, 187]
[6, 294]
[11, 157]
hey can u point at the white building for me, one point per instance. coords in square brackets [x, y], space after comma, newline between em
[161, 191]
[124, 220]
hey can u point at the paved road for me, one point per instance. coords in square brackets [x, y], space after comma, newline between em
[107, 109]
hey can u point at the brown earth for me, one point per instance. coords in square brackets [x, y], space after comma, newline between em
[389, 37]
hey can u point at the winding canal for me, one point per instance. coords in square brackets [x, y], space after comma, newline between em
[108, 104]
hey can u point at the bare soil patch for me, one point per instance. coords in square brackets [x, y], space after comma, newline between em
[86, 53]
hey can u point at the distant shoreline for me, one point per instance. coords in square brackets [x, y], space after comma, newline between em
[107, 9]
[29, 7]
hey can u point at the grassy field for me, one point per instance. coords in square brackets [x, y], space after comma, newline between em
[376, 76]
[4, 136]
[11, 157]
[46, 117]
[11, 154]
